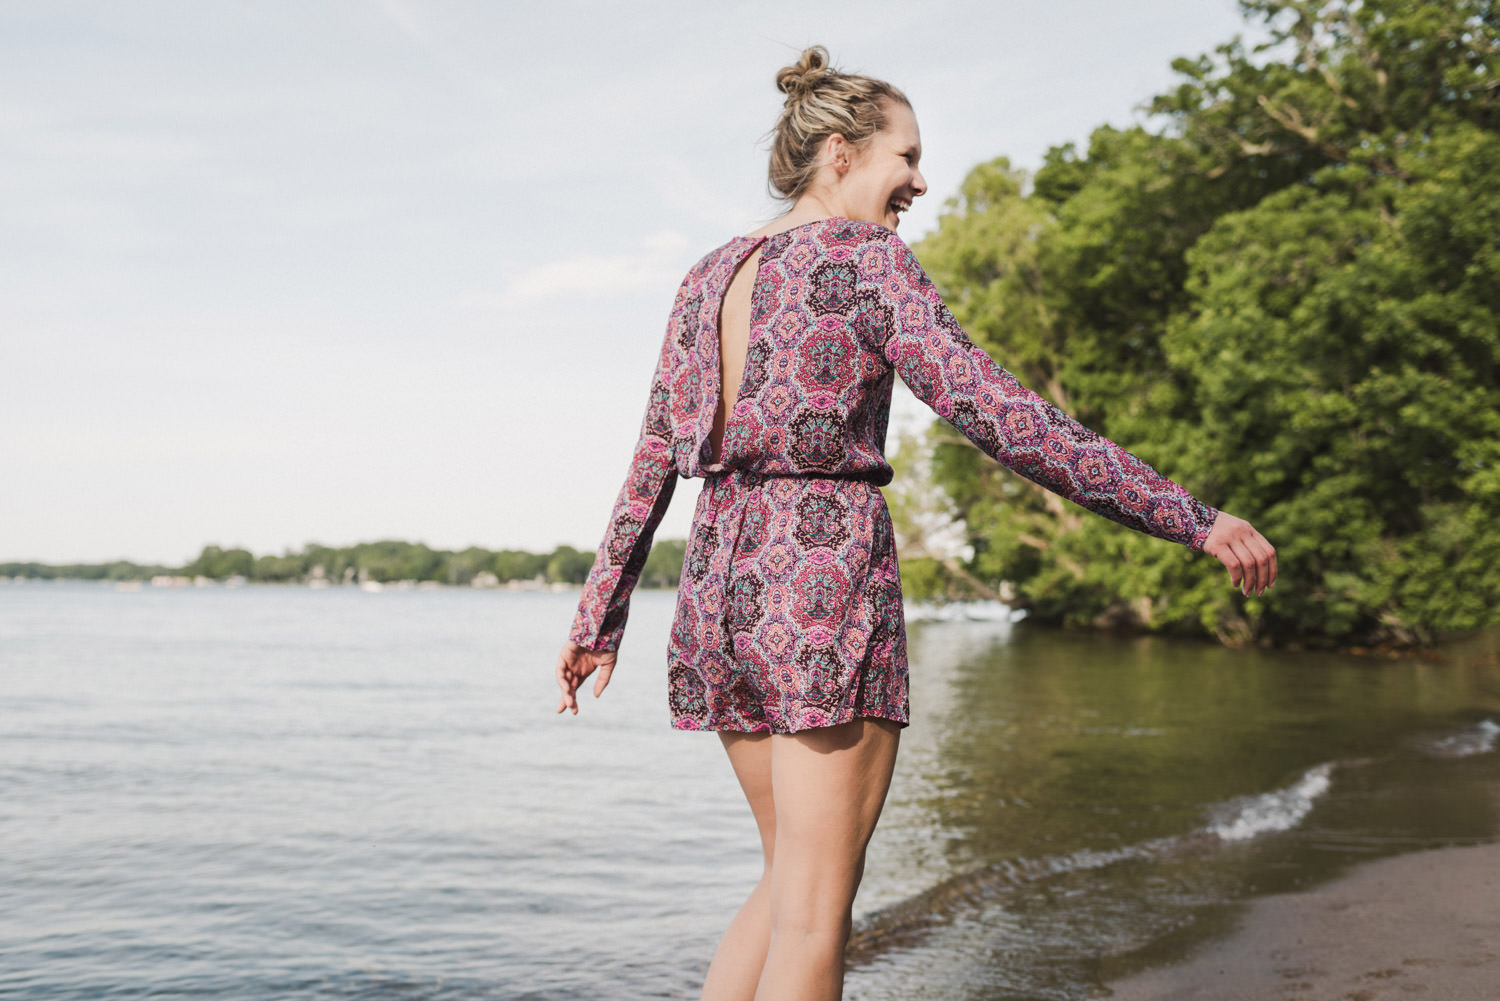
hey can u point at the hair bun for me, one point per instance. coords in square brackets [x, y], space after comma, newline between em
[802, 77]
[821, 102]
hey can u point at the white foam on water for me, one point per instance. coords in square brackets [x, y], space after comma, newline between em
[1480, 738]
[967, 893]
[1280, 810]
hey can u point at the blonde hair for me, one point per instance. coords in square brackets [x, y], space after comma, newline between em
[820, 102]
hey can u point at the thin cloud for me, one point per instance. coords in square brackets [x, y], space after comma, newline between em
[455, 64]
[654, 267]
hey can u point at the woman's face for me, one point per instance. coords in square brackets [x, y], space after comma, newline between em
[883, 177]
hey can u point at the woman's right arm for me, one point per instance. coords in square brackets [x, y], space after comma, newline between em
[599, 622]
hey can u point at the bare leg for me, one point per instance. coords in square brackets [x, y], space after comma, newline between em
[828, 787]
[737, 962]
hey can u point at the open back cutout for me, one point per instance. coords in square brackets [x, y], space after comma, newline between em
[734, 343]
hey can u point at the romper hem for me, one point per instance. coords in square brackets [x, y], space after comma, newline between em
[735, 726]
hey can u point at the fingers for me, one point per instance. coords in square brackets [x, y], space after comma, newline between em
[1252, 574]
[1265, 561]
[605, 670]
[574, 665]
[568, 680]
[1245, 553]
[1232, 562]
[1264, 556]
[1249, 567]
[1257, 559]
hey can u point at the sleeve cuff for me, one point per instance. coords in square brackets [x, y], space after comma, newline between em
[594, 637]
[1207, 517]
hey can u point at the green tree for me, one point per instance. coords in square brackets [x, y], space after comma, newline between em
[460, 567]
[516, 564]
[287, 567]
[567, 565]
[379, 561]
[217, 563]
[664, 563]
[1285, 298]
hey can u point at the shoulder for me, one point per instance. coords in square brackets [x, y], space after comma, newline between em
[838, 231]
[873, 243]
[879, 254]
[875, 248]
[695, 284]
[731, 249]
[710, 261]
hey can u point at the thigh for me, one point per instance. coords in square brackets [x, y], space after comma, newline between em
[828, 787]
[750, 757]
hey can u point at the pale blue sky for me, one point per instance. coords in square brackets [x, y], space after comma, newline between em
[279, 272]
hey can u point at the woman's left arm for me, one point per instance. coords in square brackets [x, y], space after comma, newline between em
[943, 367]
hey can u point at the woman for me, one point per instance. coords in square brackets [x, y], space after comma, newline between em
[774, 383]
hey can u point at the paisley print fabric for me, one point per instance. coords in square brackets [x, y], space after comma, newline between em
[789, 608]
[789, 611]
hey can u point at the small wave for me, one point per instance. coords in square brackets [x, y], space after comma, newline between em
[967, 893]
[1280, 810]
[1477, 739]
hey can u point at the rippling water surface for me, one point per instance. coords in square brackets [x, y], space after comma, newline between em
[273, 792]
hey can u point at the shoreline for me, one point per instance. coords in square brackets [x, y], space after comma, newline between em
[1425, 923]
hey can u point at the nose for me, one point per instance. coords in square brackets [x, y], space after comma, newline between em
[918, 184]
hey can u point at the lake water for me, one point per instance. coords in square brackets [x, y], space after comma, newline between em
[273, 792]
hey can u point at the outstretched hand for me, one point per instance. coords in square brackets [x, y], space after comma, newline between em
[1250, 559]
[574, 665]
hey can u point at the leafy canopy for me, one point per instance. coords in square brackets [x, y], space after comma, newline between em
[1284, 296]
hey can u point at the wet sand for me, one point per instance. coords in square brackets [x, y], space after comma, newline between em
[1425, 925]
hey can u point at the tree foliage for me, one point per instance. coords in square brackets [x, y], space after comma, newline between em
[115, 570]
[383, 561]
[1285, 297]
[220, 563]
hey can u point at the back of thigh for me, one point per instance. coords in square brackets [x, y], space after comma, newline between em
[750, 756]
[828, 785]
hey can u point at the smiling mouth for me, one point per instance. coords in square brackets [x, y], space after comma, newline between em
[896, 206]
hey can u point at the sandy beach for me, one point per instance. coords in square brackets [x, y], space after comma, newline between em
[1420, 925]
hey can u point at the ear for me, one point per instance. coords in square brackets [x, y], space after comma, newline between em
[837, 152]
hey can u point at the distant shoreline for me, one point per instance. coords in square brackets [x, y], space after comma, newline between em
[386, 562]
[182, 582]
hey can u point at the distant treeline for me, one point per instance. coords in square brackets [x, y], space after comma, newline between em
[379, 561]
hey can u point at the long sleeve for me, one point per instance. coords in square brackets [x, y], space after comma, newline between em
[600, 621]
[1010, 423]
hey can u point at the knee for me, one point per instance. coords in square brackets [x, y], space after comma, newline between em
[810, 937]
[812, 920]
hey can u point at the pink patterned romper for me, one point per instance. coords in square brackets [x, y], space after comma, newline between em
[789, 612]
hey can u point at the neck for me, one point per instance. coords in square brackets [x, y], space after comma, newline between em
[815, 204]
[819, 201]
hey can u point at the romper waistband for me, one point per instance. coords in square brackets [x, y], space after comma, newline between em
[756, 476]
[727, 491]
